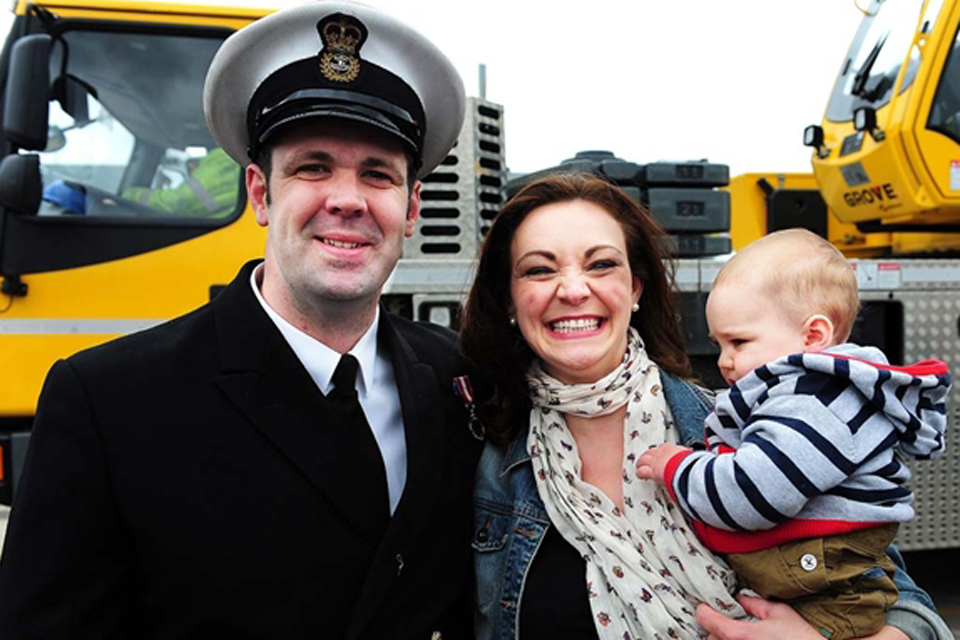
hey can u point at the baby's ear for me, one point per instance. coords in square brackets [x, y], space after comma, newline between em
[817, 333]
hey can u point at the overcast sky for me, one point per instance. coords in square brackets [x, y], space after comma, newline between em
[734, 82]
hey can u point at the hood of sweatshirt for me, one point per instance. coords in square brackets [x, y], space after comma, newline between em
[912, 396]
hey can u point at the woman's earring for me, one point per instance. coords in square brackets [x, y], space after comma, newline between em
[513, 322]
[635, 307]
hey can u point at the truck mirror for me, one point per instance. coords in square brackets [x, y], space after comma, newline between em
[20, 184]
[72, 94]
[25, 109]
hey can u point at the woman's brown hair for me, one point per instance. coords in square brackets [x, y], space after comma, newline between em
[499, 349]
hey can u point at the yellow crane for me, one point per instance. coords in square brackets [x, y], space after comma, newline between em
[885, 189]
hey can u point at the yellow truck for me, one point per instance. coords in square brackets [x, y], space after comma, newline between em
[887, 153]
[118, 212]
[885, 189]
[81, 263]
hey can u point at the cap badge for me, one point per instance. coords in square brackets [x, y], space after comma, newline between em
[342, 37]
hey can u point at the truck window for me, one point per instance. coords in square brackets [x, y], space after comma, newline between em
[873, 62]
[94, 154]
[127, 136]
[945, 110]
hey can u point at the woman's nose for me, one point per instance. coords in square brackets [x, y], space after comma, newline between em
[573, 289]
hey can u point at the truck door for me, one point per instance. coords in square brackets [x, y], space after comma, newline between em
[128, 165]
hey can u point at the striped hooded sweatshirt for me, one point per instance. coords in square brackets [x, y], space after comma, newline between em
[810, 445]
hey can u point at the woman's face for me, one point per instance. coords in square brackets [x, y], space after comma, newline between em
[572, 290]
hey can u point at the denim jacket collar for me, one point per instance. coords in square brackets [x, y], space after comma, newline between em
[516, 453]
[690, 405]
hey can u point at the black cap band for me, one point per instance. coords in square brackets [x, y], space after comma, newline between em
[299, 90]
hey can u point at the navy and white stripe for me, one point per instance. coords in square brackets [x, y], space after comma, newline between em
[816, 437]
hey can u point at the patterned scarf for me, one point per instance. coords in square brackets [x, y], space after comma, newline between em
[646, 570]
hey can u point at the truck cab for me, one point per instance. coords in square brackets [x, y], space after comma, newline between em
[117, 209]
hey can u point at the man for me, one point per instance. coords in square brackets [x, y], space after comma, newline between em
[209, 190]
[217, 476]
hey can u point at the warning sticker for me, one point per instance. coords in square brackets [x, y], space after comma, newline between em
[955, 175]
[888, 275]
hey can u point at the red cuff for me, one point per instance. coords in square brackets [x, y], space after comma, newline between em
[671, 469]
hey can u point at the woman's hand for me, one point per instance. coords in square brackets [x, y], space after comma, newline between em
[773, 620]
[653, 461]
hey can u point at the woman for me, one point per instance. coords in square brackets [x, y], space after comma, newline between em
[571, 315]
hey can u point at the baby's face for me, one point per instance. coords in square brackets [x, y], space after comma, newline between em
[748, 329]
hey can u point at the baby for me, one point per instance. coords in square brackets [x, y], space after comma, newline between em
[802, 483]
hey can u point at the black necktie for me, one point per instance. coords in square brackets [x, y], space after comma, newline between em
[363, 462]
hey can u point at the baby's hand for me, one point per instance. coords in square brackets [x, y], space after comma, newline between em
[651, 464]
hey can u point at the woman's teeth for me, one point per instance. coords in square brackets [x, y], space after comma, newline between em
[570, 326]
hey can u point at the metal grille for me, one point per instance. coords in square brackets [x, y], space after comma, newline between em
[930, 331]
[929, 293]
[465, 192]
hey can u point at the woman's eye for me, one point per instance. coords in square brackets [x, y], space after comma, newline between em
[603, 265]
[537, 271]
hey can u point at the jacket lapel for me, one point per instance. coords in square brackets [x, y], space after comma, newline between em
[265, 381]
[424, 428]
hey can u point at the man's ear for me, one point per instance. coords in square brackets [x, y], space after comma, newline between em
[257, 193]
[413, 209]
[817, 333]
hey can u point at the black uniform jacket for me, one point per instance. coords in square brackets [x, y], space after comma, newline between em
[179, 484]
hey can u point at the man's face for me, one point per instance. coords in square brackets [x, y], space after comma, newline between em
[338, 213]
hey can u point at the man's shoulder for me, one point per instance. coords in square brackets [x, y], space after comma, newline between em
[428, 341]
[439, 347]
[175, 341]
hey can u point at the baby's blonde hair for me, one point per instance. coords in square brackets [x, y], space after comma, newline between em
[802, 274]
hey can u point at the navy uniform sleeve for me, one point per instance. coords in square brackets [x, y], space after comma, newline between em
[64, 564]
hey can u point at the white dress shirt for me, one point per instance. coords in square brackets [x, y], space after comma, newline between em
[376, 386]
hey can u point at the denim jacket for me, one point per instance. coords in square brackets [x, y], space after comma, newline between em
[510, 521]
